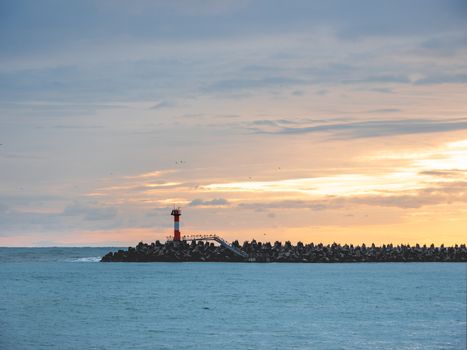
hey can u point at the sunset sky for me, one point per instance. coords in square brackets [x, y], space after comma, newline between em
[324, 121]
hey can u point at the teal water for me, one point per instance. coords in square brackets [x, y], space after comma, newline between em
[62, 298]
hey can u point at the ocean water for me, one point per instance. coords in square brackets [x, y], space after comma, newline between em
[63, 298]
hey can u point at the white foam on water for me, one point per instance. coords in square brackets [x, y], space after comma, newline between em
[87, 259]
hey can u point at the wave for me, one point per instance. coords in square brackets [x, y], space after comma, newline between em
[86, 259]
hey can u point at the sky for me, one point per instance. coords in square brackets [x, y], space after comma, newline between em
[313, 121]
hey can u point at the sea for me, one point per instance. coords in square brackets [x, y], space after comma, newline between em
[64, 298]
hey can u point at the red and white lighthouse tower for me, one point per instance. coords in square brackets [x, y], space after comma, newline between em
[176, 213]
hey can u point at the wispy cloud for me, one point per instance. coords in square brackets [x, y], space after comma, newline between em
[209, 203]
[459, 78]
[372, 128]
[448, 193]
[384, 110]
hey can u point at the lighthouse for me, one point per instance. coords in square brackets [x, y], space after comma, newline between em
[176, 214]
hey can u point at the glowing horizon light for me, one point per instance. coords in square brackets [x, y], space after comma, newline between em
[451, 156]
[344, 185]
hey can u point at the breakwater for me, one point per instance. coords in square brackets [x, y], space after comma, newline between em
[279, 252]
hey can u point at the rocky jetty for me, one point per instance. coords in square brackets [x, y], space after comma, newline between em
[278, 252]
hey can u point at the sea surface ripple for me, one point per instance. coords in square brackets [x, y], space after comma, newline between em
[62, 298]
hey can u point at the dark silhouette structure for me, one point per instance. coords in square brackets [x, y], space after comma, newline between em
[286, 253]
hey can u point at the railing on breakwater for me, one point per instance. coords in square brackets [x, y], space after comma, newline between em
[217, 239]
